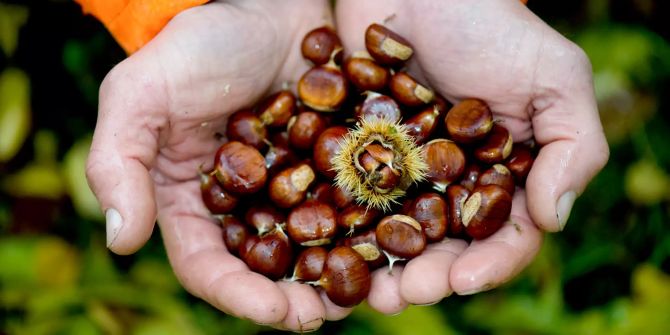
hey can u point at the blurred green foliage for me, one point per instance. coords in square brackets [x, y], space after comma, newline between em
[607, 273]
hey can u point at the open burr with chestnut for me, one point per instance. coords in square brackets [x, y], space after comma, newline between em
[362, 167]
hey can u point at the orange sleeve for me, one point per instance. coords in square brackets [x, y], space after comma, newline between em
[133, 23]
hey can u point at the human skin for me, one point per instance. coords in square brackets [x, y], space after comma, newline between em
[160, 111]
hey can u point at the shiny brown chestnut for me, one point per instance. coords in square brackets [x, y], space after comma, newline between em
[456, 196]
[519, 162]
[430, 211]
[469, 120]
[341, 197]
[240, 168]
[216, 199]
[471, 175]
[279, 154]
[325, 148]
[246, 245]
[387, 47]
[379, 106]
[364, 73]
[277, 109]
[323, 88]
[400, 237]
[422, 125]
[304, 129]
[320, 45]
[321, 192]
[357, 217]
[345, 277]
[309, 264]
[289, 187]
[485, 210]
[264, 218]
[497, 174]
[446, 162]
[376, 162]
[244, 126]
[408, 91]
[312, 223]
[497, 146]
[271, 256]
[233, 231]
[365, 243]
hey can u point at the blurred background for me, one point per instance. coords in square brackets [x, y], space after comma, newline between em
[607, 273]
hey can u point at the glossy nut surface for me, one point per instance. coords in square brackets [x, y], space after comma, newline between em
[216, 199]
[309, 264]
[469, 120]
[387, 47]
[346, 277]
[244, 126]
[319, 44]
[519, 162]
[378, 105]
[289, 187]
[365, 243]
[323, 88]
[422, 125]
[279, 154]
[325, 148]
[234, 233]
[271, 256]
[456, 196]
[485, 210]
[408, 91]
[277, 109]
[365, 74]
[240, 168]
[312, 223]
[499, 175]
[471, 175]
[401, 236]
[304, 129]
[497, 146]
[430, 210]
[355, 217]
[446, 162]
[263, 218]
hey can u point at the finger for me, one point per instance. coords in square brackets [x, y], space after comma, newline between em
[567, 126]
[425, 279]
[306, 311]
[490, 262]
[334, 312]
[204, 266]
[123, 149]
[385, 294]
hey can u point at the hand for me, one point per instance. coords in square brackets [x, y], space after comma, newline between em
[159, 112]
[537, 83]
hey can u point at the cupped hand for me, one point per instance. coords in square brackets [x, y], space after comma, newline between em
[159, 114]
[537, 83]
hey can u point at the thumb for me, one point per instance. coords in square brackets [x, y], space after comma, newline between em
[123, 150]
[567, 126]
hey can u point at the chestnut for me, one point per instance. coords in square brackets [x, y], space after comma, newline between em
[289, 187]
[497, 146]
[446, 162]
[469, 120]
[356, 217]
[379, 106]
[309, 264]
[376, 162]
[323, 88]
[234, 233]
[216, 199]
[322, 192]
[422, 125]
[271, 255]
[499, 175]
[325, 147]
[400, 237]
[246, 245]
[341, 197]
[304, 129]
[264, 218]
[244, 126]
[345, 277]
[471, 175]
[387, 47]
[365, 243]
[240, 168]
[456, 196]
[430, 211]
[277, 109]
[320, 45]
[485, 210]
[279, 154]
[519, 162]
[406, 90]
[364, 73]
[312, 223]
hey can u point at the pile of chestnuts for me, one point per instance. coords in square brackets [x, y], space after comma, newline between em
[363, 168]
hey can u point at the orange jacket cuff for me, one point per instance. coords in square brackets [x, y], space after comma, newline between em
[133, 23]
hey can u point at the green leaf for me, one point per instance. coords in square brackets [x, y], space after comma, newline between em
[14, 110]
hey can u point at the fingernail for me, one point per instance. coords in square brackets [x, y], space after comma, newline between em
[563, 208]
[114, 223]
[482, 288]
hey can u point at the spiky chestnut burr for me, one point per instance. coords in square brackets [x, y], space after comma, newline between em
[378, 160]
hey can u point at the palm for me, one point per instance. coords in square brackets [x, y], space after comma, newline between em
[535, 81]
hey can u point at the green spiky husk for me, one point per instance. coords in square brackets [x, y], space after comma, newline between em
[409, 161]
